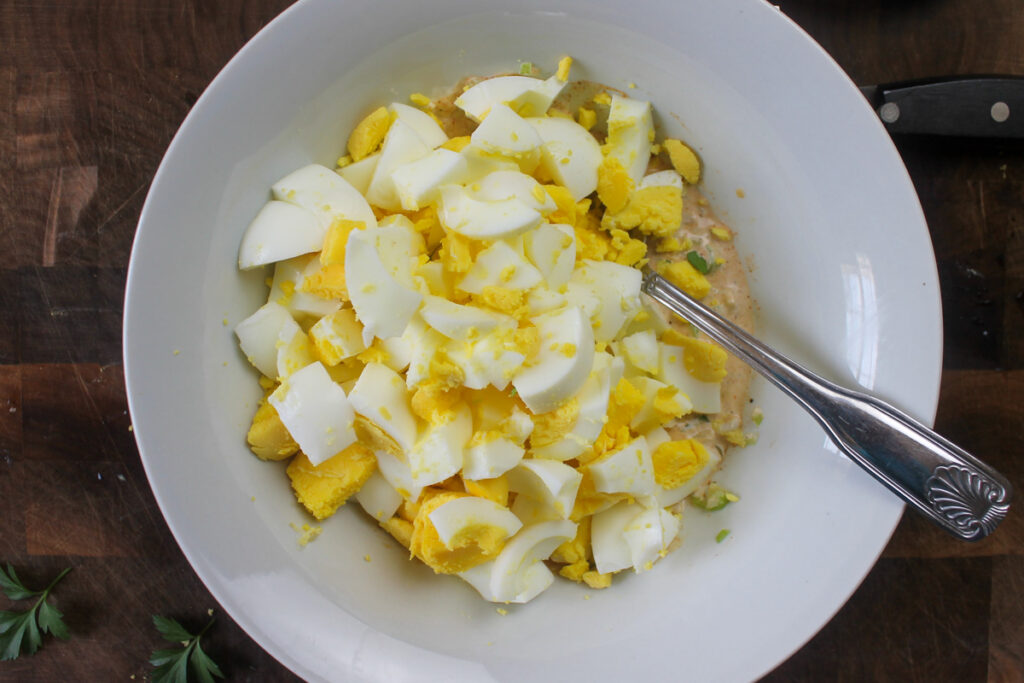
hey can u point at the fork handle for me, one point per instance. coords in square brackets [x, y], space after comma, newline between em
[941, 480]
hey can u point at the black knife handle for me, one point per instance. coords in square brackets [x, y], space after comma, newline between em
[971, 106]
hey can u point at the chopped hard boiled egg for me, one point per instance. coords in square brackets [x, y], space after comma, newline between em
[454, 334]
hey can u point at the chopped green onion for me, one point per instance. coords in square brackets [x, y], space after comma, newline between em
[698, 262]
[526, 68]
[721, 535]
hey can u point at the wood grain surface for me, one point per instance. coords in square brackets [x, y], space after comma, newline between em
[91, 92]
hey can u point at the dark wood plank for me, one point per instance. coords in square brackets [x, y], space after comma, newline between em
[1006, 631]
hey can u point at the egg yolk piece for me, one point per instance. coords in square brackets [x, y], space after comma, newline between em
[676, 462]
[473, 546]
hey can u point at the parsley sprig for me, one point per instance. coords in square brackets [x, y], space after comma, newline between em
[24, 630]
[172, 664]
[698, 262]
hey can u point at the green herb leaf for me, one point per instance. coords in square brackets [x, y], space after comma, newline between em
[171, 630]
[204, 667]
[721, 535]
[52, 621]
[698, 262]
[173, 664]
[12, 587]
[23, 631]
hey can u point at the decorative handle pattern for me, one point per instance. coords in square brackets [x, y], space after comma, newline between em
[968, 500]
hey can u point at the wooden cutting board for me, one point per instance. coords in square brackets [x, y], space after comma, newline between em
[91, 93]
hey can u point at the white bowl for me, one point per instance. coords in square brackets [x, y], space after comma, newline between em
[844, 275]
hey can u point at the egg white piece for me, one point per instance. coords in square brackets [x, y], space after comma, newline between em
[511, 578]
[325, 193]
[399, 244]
[543, 300]
[647, 418]
[630, 134]
[477, 219]
[439, 453]
[518, 425]
[669, 178]
[537, 100]
[592, 400]
[458, 515]
[499, 265]
[316, 413]
[259, 333]
[648, 535]
[569, 154]
[655, 437]
[421, 122]
[535, 580]
[280, 231]
[360, 173]
[401, 146]
[514, 185]
[480, 164]
[341, 331]
[399, 352]
[491, 458]
[607, 537]
[555, 377]
[641, 348]
[503, 132]
[478, 100]
[485, 361]
[706, 397]
[380, 396]
[381, 302]
[552, 249]
[424, 343]
[616, 288]
[531, 511]
[417, 182]
[548, 481]
[378, 498]
[461, 322]
[435, 280]
[628, 470]
[667, 497]
[286, 288]
[294, 352]
[398, 474]
[653, 320]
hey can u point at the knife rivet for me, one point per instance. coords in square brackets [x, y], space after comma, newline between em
[890, 111]
[1000, 112]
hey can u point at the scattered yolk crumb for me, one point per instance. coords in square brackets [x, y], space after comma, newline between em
[419, 99]
[603, 98]
[676, 462]
[740, 193]
[564, 64]
[722, 233]
[684, 160]
[587, 117]
[369, 133]
[596, 580]
[306, 533]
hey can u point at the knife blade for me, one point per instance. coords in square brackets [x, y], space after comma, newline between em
[954, 106]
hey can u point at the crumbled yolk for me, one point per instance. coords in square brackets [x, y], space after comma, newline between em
[553, 426]
[456, 253]
[456, 144]
[565, 212]
[508, 301]
[603, 98]
[613, 184]
[684, 160]
[686, 277]
[474, 545]
[626, 401]
[419, 99]
[328, 282]
[326, 487]
[666, 406]
[495, 489]
[652, 210]
[667, 244]
[596, 580]
[628, 251]
[369, 133]
[374, 438]
[337, 237]
[577, 549]
[721, 233]
[587, 117]
[589, 500]
[527, 341]
[703, 359]
[676, 462]
[268, 437]
[434, 401]
[564, 64]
